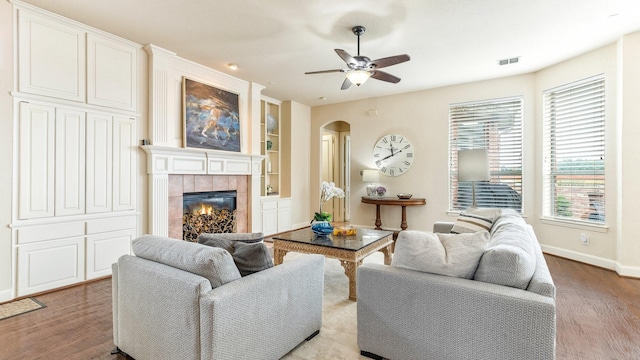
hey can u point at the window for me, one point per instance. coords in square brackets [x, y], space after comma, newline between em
[495, 125]
[574, 116]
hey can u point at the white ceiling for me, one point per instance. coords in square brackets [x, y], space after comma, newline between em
[275, 42]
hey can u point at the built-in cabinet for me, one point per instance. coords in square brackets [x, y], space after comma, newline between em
[276, 209]
[276, 215]
[76, 115]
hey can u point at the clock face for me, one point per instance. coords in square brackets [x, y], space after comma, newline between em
[393, 154]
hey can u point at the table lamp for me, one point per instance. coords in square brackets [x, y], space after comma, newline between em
[473, 165]
[372, 176]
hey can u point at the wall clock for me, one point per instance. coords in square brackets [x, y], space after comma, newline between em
[393, 155]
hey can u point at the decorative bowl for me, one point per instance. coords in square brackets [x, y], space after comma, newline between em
[404, 196]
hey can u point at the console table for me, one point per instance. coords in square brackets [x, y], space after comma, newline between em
[393, 202]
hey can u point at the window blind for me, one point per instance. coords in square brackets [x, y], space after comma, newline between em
[574, 133]
[495, 125]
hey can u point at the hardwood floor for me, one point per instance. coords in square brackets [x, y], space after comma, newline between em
[598, 317]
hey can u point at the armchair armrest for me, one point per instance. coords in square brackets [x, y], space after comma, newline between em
[281, 306]
[443, 227]
[407, 314]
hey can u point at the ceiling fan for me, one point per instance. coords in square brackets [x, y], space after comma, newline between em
[360, 68]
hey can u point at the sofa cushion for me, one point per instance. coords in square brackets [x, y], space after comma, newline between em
[244, 237]
[216, 265]
[510, 259]
[248, 257]
[468, 222]
[455, 255]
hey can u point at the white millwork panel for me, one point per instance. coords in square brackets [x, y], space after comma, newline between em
[36, 161]
[284, 215]
[51, 57]
[99, 163]
[124, 163]
[70, 162]
[50, 264]
[269, 217]
[111, 73]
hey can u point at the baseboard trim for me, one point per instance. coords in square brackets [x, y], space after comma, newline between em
[622, 270]
[5, 295]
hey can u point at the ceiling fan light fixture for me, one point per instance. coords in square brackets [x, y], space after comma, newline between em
[358, 77]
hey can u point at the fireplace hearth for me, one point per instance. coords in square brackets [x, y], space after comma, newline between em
[208, 212]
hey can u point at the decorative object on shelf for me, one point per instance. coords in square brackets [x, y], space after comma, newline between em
[328, 190]
[269, 189]
[211, 117]
[272, 123]
[393, 154]
[473, 165]
[269, 167]
[381, 191]
[404, 196]
[269, 144]
[372, 176]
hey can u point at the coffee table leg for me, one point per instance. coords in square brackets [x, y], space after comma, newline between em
[350, 269]
[278, 256]
[387, 251]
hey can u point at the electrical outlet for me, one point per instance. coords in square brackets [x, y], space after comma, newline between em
[585, 239]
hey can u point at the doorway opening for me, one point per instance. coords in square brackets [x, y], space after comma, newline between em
[336, 167]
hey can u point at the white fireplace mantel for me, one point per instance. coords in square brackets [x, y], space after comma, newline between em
[170, 160]
[163, 161]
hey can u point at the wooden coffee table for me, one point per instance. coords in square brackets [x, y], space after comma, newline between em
[350, 250]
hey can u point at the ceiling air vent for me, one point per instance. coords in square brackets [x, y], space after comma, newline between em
[512, 60]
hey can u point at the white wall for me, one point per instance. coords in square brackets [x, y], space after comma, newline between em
[6, 146]
[423, 117]
[300, 167]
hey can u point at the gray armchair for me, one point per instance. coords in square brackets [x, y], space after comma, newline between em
[182, 300]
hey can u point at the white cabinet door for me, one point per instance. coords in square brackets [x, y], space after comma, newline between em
[269, 217]
[36, 152]
[124, 163]
[284, 215]
[99, 163]
[51, 57]
[50, 264]
[111, 73]
[105, 249]
[70, 162]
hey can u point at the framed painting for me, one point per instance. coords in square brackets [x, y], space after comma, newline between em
[211, 117]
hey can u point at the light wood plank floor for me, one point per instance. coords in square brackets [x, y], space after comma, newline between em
[598, 316]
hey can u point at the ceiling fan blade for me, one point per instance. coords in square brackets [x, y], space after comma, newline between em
[346, 84]
[346, 57]
[324, 71]
[381, 75]
[391, 60]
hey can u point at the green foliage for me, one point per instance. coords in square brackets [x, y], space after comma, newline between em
[323, 216]
[562, 206]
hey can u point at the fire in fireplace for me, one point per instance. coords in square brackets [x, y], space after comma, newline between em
[208, 212]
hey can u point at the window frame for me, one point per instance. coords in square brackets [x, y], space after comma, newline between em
[576, 112]
[493, 128]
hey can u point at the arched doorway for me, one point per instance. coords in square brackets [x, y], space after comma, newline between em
[335, 166]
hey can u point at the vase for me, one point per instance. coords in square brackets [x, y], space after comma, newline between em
[320, 227]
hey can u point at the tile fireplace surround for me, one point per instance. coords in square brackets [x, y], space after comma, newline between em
[180, 184]
[175, 171]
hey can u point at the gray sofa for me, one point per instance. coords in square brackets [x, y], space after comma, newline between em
[406, 314]
[182, 300]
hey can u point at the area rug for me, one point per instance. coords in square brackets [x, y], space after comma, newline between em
[338, 335]
[19, 307]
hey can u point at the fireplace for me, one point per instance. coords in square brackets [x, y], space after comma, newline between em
[208, 212]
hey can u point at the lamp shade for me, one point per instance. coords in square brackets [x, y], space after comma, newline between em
[370, 175]
[473, 165]
[358, 77]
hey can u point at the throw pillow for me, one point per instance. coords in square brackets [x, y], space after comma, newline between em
[455, 255]
[214, 264]
[471, 223]
[510, 259]
[248, 257]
